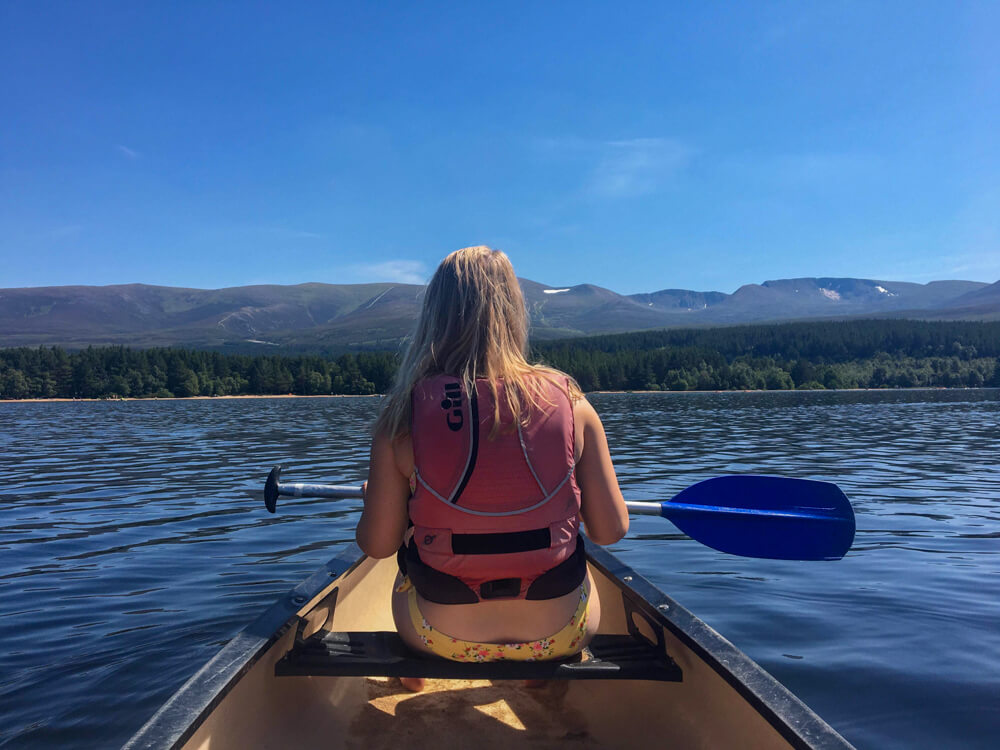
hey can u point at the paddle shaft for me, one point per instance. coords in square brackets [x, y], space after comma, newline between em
[346, 491]
[336, 491]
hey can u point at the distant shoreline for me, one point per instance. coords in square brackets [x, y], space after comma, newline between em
[380, 395]
[806, 390]
[187, 398]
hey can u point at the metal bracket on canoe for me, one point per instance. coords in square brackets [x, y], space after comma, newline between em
[303, 622]
[631, 612]
[383, 654]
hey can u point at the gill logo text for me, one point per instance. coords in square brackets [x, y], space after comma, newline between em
[452, 404]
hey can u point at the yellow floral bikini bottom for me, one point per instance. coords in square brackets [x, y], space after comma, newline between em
[563, 644]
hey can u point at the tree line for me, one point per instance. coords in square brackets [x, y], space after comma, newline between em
[843, 354]
[852, 354]
[119, 372]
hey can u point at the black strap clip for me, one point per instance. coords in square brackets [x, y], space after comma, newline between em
[500, 588]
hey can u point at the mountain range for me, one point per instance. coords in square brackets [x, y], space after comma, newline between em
[335, 316]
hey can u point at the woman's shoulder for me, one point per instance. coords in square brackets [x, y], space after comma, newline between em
[398, 446]
[583, 411]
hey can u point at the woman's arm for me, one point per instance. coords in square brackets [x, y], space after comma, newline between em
[384, 519]
[604, 513]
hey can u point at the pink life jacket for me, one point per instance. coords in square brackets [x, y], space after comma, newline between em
[493, 518]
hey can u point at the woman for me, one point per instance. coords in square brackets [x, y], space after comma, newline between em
[493, 462]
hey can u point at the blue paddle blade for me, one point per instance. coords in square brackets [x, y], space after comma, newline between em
[769, 517]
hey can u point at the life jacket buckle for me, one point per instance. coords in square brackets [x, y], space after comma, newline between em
[500, 588]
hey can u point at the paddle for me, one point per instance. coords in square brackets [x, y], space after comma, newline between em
[754, 516]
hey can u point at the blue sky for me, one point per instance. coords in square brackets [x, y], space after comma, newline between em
[637, 146]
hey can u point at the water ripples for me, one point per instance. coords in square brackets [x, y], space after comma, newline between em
[898, 645]
[133, 543]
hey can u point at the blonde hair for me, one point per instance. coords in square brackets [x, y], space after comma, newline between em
[473, 324]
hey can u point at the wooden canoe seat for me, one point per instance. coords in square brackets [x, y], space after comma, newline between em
[383, 654]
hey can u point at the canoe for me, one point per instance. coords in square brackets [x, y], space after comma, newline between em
[316, 670]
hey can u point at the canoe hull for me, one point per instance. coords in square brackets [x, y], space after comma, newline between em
[235, 701]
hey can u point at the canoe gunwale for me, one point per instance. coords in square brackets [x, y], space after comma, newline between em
[186, 710]
[795, 721]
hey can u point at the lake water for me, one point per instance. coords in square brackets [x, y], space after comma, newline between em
[134, 543]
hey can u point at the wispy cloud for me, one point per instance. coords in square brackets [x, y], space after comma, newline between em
[620, 168]
[967, 266]
[127, 152]
[266, 232]
[975, 237]
[983, 265]
[400, 271]
[63, 232]
[637, 166]
[963, 253]
[290, 234]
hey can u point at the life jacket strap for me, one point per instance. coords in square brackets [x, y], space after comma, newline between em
[563, 578]
[442, 588]
[499, 544]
